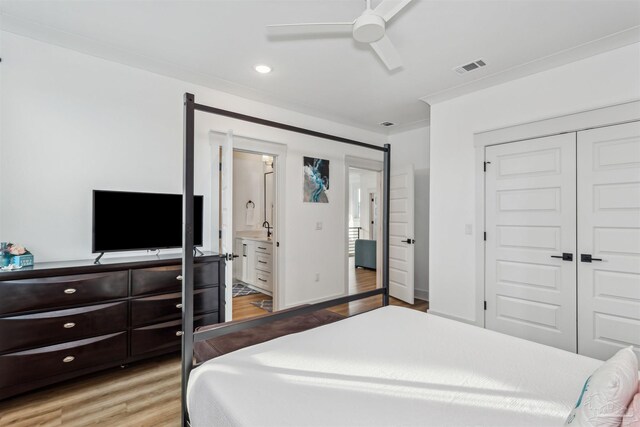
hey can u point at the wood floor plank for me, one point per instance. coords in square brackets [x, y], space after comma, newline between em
[145, 394]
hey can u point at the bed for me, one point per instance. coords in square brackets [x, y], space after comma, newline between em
[390, 366]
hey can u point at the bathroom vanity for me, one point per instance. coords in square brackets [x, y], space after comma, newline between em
[256, 262]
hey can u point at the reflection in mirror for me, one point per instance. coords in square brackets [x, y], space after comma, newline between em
[268, 196]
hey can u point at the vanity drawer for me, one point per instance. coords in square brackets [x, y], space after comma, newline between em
[165, 279]
[169, 306]
[263, 262]
[61, 291]
[264, 248]
[164, 336]
[263, 280]
[52, 327]
[32, 365]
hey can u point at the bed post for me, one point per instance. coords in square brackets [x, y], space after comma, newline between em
[385, 223]
[187, 250]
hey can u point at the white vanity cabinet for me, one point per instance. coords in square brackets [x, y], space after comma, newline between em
[263, 261]
[255, 266]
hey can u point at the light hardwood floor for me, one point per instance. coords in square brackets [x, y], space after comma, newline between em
[147, 393]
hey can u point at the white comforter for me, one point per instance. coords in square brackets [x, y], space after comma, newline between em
[389, 367]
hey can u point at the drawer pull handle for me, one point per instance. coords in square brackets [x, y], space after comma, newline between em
[178, 305]
[70, 291]
[264, 249]
[262, 262]
[179, 333]
[69, 325]
[68, 359]
[179, 277]
[262, 280]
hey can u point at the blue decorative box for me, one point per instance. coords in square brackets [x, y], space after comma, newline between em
[25, 260]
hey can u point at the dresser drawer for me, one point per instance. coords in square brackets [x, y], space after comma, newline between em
[165, 279]
[165, 307]
[263, 262]
[264, 248]
[51, 327]
[61, 291]
[164, 336]
[31, 365]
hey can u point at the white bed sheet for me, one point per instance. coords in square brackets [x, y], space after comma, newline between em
[390, 367]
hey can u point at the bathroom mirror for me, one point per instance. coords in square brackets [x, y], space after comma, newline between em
[269, 196]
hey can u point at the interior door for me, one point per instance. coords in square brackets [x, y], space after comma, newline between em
[226, 217]
[401, 237]
[609, 240]
[530, 290]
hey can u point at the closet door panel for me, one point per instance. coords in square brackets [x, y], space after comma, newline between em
[609, 231]
[530, 219]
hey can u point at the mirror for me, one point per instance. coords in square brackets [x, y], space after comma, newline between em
[269, 196]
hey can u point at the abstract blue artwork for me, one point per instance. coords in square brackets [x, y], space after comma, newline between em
[316, 180]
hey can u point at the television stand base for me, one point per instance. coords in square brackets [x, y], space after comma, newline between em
[97, 260]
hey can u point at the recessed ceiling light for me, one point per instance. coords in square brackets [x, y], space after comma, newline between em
[262, 69]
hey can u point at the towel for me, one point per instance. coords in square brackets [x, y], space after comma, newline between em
[250, 216]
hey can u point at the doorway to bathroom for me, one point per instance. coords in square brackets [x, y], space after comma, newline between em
[254, 225]
[245, 221]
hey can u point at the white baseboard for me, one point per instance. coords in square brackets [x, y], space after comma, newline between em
[421, 294]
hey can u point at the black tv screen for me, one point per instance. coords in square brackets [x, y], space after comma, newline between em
[126, 221]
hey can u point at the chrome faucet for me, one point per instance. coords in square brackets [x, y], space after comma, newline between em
[268, 227]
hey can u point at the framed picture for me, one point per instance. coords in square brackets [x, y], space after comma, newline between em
[316, 180]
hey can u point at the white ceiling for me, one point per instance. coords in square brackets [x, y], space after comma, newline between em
[217, 43]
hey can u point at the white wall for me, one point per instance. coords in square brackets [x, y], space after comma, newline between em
[72, 123]
[412, 147]
[248, 184]
[598, 81]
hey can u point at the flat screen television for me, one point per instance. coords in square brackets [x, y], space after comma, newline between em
[127, 221]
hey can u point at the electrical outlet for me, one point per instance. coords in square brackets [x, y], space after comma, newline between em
[318, 226]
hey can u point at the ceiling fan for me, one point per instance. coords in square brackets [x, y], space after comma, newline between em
[367, 28]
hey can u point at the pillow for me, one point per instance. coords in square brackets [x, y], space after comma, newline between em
[607, 392]
[632, 416]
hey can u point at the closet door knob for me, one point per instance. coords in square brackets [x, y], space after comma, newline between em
[565, 256]
[588, 258]
[68, 359]
[70, 291]
[179, 277]
[179, 333]
[178, 305]
[69, 325]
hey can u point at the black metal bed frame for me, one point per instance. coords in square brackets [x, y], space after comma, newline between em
[189, 336]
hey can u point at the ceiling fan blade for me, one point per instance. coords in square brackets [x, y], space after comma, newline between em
[345, 28]
[387, 53]
[389, 8]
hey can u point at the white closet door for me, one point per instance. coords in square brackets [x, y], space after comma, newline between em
[401, 238]
[531, 220]
[609, 232]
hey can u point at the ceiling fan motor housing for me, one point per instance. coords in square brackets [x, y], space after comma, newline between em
[368, 28]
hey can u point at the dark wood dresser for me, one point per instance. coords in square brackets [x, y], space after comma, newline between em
[62, 320]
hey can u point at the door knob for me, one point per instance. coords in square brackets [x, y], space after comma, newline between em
[565, 256]
[588, 258]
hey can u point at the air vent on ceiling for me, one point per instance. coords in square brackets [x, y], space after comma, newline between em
[387, 124]
[463, 69]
